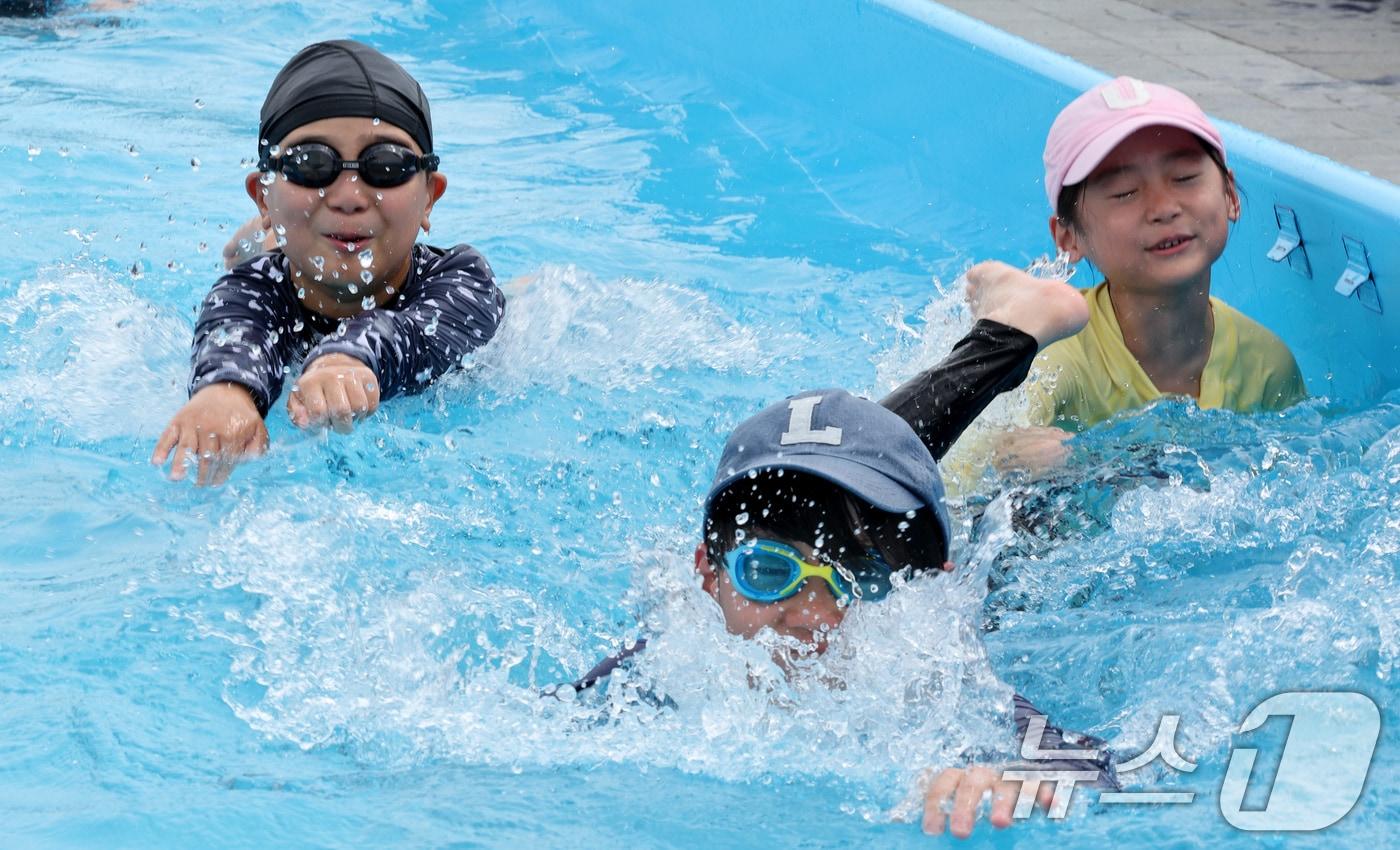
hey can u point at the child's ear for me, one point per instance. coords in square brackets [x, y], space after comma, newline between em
[1232, 197]
[709, 579]
[1066, 238]
[437, 184]
[252, 184]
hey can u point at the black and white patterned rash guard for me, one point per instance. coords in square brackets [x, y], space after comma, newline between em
[253, 328]
[1053, 748]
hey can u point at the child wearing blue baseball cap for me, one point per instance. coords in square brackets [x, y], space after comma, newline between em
[346, 179]
[820, 499]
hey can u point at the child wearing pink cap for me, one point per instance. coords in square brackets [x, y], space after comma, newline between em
[1135, 173]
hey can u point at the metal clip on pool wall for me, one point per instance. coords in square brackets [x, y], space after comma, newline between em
[1290, 242]
[1357, 276]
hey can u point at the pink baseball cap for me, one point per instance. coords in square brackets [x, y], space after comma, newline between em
[1087, 131]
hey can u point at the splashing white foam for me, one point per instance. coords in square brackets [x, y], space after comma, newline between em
[91, 356]
[563, 326]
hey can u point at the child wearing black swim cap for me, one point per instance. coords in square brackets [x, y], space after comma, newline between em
[346, 178]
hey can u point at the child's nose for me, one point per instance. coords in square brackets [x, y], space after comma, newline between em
[348, 194]
[814, 606]
[1162, 201]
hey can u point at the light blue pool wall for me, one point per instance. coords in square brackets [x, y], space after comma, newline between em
[921, 106]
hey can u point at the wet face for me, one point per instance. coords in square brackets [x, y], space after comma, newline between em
[809, 615]
[326, 232]
[1154, 215]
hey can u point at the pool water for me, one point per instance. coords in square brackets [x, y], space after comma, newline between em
[346, 644]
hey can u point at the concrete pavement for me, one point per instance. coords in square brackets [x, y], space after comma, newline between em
[1323, 75]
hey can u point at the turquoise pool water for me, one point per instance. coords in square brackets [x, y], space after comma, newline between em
[344, 646]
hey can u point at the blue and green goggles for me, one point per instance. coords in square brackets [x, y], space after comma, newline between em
[768, 571]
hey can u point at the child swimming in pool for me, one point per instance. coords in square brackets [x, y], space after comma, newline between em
[1137, 180]
[843, 492]
[346, 178]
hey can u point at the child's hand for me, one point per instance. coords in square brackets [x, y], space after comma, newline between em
[335, 390]
[235, 251]
[1035, 450]
[220, 425]
[956, 795]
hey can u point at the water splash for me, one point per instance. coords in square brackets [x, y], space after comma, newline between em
[563, 326]
[90, 356]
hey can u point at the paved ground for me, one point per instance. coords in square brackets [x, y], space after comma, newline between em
[1320, 74]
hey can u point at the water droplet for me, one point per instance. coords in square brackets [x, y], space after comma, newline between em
[172, 265]
[353, 288]
[366, 258]
[297, 326]
[319, 262]
[267, 178]
[367, 277]
[194, 163]
[244, 246]
[274, 150]
[35, 150]
[389, 289]
[63, 151]
[367, 302]
[376, 122]
[132, 150]
[259, 235]
[741, 518]
[203, 246]
[137, 272]
[321, 192]
[198, 103]
[379, 196]
[301, 293]
[279, 230]
[354, 178]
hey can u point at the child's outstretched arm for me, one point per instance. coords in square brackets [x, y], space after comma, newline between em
[219, 426]
[454, 308]
[1017, 315]
[241, 341]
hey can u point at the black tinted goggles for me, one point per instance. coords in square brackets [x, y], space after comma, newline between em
[316, 166]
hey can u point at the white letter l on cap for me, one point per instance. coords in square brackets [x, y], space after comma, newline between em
[799, 428]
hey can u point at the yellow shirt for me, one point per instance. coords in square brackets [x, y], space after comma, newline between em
[1085, 379]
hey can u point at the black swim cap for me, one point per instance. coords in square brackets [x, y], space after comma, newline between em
[334, 79]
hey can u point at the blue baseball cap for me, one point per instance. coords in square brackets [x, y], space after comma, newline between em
[856, 444]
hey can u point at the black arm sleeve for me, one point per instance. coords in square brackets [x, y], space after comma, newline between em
[450, 306]
[1054, 738]
[942, 401]
[243, 334]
